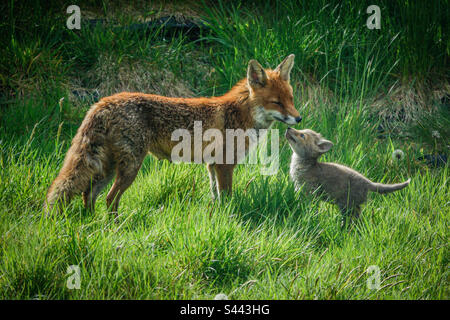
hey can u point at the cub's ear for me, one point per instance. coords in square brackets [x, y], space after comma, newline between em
[256, 75]
[285, 67]
[324, 145]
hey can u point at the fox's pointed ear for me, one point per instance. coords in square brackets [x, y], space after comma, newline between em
[256, 75]
[285, 67]
[324, 145]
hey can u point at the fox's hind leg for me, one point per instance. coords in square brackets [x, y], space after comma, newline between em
[97, 185]
[127, 170]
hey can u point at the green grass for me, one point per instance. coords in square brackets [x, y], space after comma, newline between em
[266, 241]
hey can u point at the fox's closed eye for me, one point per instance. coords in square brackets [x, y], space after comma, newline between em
[278, 103]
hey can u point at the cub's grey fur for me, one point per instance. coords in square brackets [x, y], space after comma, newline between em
[343, 185]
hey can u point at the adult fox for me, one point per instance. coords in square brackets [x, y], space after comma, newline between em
[118, 132]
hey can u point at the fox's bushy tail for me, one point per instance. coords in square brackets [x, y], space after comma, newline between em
[84, 160]
[61, 191]
[387, 188]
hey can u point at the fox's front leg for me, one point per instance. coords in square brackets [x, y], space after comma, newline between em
[212, 180]
[224, 177]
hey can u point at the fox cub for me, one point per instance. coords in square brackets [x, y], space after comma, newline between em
[343, 185]
[119, 131]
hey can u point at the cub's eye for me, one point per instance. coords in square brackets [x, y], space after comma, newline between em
[302, 135]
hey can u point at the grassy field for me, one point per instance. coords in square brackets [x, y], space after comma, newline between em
[369, 91]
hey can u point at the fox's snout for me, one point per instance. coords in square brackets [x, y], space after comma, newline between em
[289, 131]
[291, 116]
[297, 119]
[288, 119]
[290, 136]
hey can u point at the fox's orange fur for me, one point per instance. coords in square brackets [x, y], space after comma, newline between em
[119, 131]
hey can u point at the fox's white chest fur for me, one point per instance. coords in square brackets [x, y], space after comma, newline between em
[261, 118]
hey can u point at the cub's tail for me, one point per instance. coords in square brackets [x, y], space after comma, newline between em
[387, 188]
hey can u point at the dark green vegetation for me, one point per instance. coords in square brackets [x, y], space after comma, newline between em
[369, 91]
